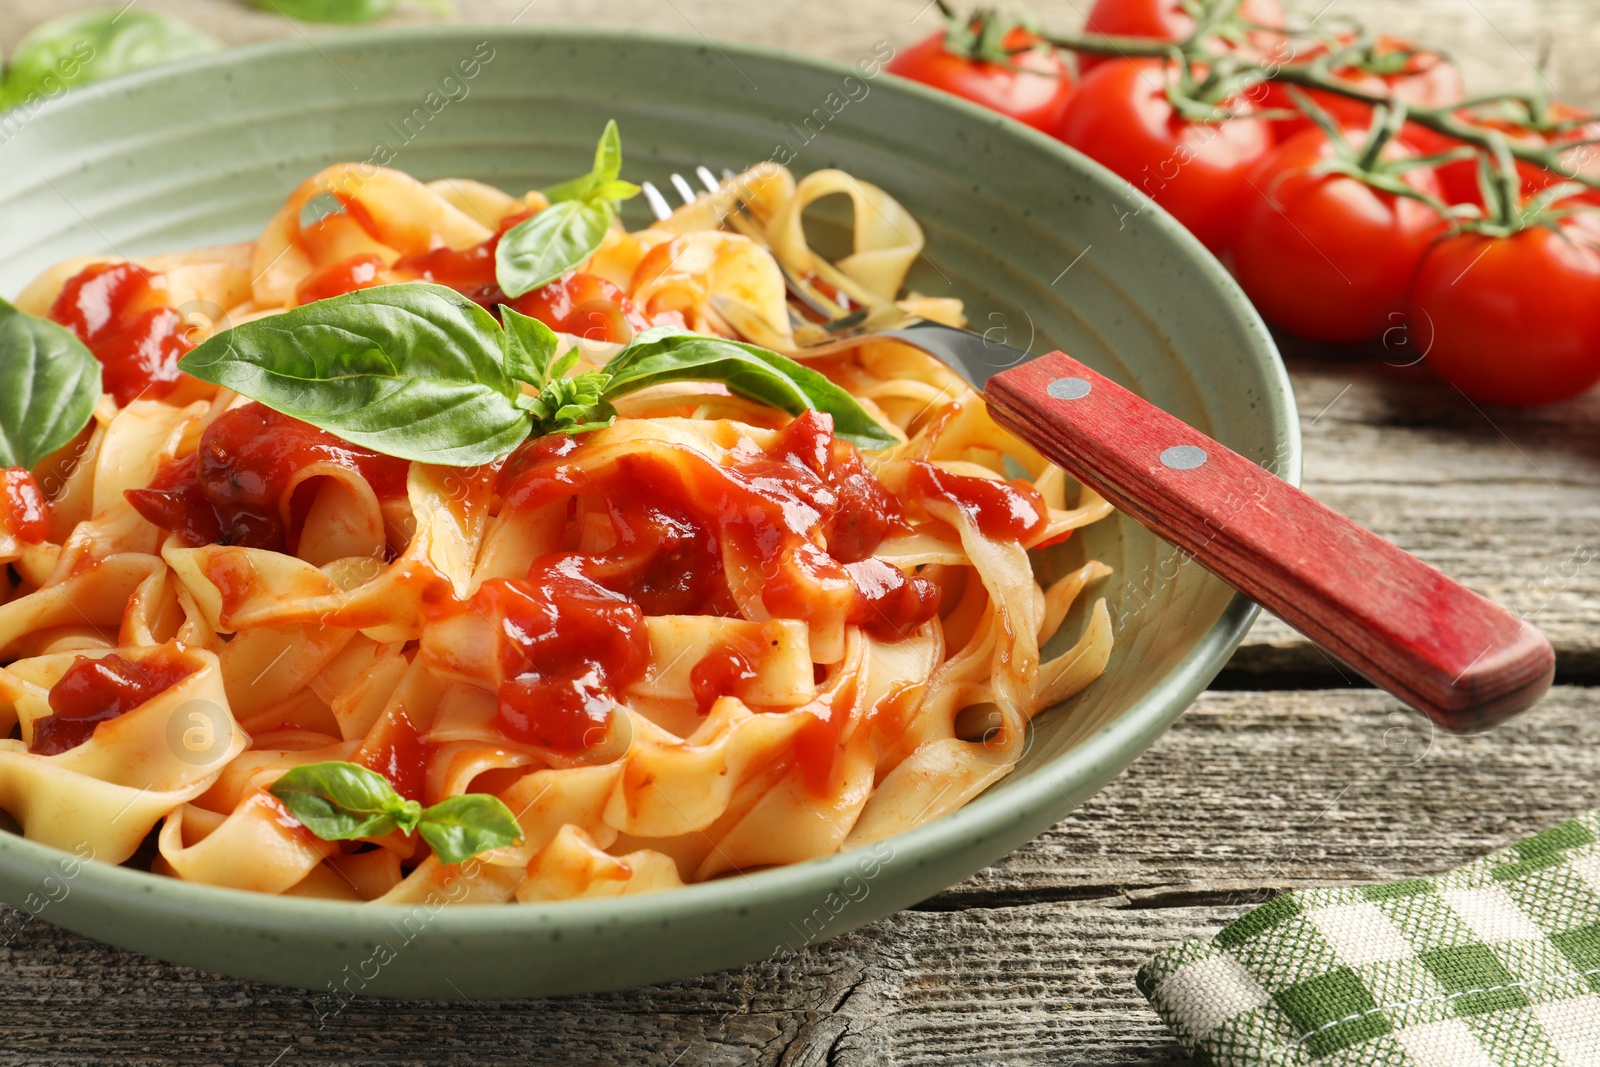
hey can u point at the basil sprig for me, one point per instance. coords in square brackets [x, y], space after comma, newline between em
[418, 371]
[49, 383]
[94, 45]
[540, 249]
[343, 801]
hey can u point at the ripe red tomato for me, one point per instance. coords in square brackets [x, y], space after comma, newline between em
[1121, 117]
[1426, 79]
[1163, 20]
[1036, 93]
[1511, 320]
[1459, 180]
[585, 305]
[1324, 255]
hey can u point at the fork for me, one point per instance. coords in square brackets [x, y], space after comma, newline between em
[842, 328]
[1464, 661]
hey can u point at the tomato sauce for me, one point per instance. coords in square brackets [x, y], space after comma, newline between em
[1002, 511]
[584, 305]
[587, 306]
[724, 671]
[110, 308]
[816, 746]
[23, 505]
[805, 509]
[469, 271]
[93, 691]
[337, 279]
[231, 490]
[569, 644]
[398, 751]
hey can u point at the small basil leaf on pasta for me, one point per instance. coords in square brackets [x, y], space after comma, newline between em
[667, 354]
[530, 346]
[49, 383]
[538, 250]
[412, 370]
[340, 801]
[542, 248]
[82, 48]
[607, 166]
[463, 826]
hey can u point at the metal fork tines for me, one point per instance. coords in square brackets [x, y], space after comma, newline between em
[739, 220]
[841, 328]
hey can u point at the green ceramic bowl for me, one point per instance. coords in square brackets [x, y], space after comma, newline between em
[1048, 249]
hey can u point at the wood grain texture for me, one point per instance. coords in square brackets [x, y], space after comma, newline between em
[1031, 961]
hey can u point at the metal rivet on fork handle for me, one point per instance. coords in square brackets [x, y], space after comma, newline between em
[1069, 388]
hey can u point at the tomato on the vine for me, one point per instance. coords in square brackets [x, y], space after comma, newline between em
[1162, 20]
[1033, 87]
[1511, 320]
[1123, 118]
[1326, 255]
[1420, 78]
[1573, 126]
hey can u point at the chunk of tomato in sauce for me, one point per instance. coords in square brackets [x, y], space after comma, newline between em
[726, 670]
[109, 307]
[336, 279]
[568, 646]
[231, 490]
[93, 691]
[1002, 510]
[469, 271]
[584, 305]
[23, 505]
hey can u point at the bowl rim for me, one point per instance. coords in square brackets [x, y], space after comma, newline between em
[1072, 775]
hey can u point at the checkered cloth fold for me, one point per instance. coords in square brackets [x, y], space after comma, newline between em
[1494, 964]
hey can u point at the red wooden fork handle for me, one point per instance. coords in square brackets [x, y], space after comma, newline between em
[1465, 662]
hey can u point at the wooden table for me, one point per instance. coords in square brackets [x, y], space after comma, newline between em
[1286, 774]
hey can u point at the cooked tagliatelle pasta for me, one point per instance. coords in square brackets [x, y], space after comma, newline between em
[710, 636]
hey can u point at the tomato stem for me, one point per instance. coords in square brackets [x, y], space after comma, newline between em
[1317, 73]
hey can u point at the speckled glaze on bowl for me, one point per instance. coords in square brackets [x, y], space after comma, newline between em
[1048, 249]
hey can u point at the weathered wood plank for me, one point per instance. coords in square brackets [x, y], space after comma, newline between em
[1029, 962]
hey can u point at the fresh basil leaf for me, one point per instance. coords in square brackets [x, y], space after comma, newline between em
[463, 826]
[607, 165]
[608, 153]
[667, 354]
[77, 49]
[413, 370]
[530, 346]
[538, 250]
[339, 801]
[617, 190]
[49, 383]
[348, 12]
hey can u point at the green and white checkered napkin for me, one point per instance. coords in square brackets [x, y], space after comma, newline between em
[1496, 963]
